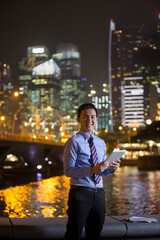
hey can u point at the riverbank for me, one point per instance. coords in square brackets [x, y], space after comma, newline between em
[115, 227]
[149, 162]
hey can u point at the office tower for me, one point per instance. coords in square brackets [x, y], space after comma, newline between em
[45, 92]
[35, 56]
[156, 37]
[152, 75]
[45, 84]
[39, 81]
[124, 43]
[147, 63]
[72, 94]
[6, 88]
[54, 82]
[101, 101]
[135, 102]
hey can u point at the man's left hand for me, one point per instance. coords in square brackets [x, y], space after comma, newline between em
[114, 165]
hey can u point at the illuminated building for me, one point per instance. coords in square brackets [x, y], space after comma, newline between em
[53, 81]
[35, 56]
[6, 89]
[101, 101]
[123, 44]
[39, 80]
[45, 85]
[150, 69]
[72, 92]
[135, 102]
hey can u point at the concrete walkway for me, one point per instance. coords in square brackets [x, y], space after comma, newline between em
[115, 228]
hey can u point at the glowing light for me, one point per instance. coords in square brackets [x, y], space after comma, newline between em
[46, 129]
[25, 124]
[148, 121]
[46, 68]
[68, 116]
[93, 91]
[49, 108]
[11, 158]
[63, 140]
[137, 91]
[38, 50]
[2, 118]
[16, 94]
[39, 166]
[151, 143]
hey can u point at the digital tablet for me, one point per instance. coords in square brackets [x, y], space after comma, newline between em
[115, 155]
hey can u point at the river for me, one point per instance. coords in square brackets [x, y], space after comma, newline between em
[128, 192]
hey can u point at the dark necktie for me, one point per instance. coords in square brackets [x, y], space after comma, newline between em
[94, 157]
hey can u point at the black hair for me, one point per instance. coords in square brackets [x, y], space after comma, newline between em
[86, 106]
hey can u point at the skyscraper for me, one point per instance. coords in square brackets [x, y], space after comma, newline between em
[53, 81]
[135, 102]
[101, 101]
[123, 44]
[6, 88]
[72, 94]
[39, 81]
[35, 56]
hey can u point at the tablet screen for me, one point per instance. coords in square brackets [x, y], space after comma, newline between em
[115, 155]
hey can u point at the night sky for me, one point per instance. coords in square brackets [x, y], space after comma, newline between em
[84, 23]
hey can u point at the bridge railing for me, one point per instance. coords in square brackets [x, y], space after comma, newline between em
[35, 139]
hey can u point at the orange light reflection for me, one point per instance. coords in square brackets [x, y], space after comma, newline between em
[49, 195]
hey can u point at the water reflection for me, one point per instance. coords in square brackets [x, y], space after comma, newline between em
[128, 192]
[46, 198]
[131, 192]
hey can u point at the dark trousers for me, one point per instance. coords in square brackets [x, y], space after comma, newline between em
[85, 208]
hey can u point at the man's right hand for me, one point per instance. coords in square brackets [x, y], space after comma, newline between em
[100, 167]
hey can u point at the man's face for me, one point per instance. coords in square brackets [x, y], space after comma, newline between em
[88, 120]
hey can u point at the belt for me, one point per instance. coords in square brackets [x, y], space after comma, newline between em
[87, 188]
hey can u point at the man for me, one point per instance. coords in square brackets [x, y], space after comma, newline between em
[86, 203]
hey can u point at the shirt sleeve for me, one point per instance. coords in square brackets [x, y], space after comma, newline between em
[107, 172]
[69, 158]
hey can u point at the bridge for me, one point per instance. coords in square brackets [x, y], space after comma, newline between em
[26, 154]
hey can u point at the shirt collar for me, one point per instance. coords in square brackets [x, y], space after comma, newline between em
[86, 135]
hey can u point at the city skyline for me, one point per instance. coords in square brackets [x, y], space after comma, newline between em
[85, 24]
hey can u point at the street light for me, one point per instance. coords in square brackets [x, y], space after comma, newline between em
[148, 121]
[16, 94]
[2, 118]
